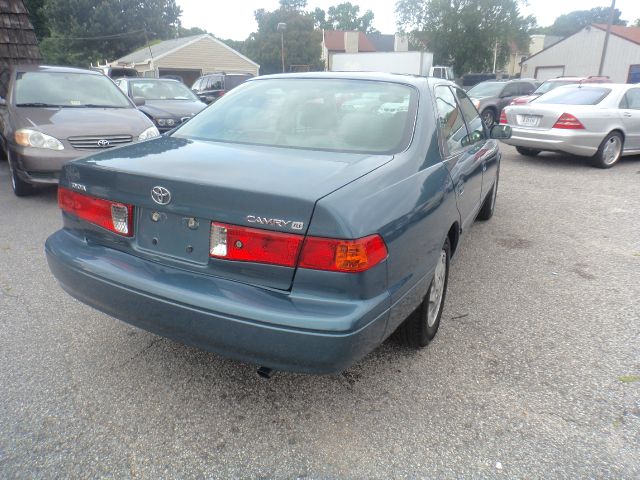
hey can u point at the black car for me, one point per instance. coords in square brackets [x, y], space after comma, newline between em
[166, 102]
[492, 96]
[212, 86]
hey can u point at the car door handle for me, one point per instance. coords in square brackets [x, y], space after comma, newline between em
[627, 114]
[484, 167]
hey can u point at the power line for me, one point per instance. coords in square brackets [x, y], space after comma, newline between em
[102, 37]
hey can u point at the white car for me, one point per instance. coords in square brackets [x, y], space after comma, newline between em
[601, 121]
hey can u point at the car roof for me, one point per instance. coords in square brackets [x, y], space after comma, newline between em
[147, 79]
[53, 69]
[377, 76]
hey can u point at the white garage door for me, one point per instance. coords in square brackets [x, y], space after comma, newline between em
[545, 73]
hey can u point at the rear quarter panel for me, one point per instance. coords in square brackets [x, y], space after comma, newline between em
[410, 201]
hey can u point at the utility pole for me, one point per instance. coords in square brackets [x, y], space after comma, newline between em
[495, 56]
[606, 38]
[281, 28]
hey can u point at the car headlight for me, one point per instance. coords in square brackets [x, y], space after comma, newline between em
[150, 132]
[165, 122]
[35, 139]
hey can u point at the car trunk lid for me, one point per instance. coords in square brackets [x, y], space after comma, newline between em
[265, 187]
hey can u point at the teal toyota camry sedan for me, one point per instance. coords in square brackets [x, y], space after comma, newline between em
[295, 224]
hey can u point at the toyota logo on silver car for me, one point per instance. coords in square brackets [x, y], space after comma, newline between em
[160, 195]
[103, 143]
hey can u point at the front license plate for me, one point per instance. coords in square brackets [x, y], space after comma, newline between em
[178, 236]
[529, 120]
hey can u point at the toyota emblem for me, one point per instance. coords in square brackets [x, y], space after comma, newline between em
[103, 143]
[160, 195]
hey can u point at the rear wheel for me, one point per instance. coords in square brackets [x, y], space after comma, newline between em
[20, 187]
[489, 117]
[527, 152]
[422, 325]
[610, 151]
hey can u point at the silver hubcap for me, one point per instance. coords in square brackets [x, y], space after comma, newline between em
[612, 150]
[436, 292]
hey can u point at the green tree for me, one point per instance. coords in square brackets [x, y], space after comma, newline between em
[297, 5]
[464, 33]
[37, 17]
[570, 23]
[637, 23]
[302, 42]
[188, 32]
[344, 16]
[84, 31]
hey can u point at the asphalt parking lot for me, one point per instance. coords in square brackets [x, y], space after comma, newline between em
[535, 372]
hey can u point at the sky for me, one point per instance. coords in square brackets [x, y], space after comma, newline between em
[235, 19]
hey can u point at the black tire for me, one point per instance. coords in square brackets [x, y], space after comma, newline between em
[20, 187]
[610, 151]
[489, 204]
[527, 152]
[415, 331]
[489, 117]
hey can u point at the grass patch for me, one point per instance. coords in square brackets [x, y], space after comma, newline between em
[629, 378]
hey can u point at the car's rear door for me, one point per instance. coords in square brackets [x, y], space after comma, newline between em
[630, 112]
[459, 155]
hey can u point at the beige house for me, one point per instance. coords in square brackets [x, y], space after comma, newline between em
[187, 58]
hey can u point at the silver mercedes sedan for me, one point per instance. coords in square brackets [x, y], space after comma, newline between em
[600, 121]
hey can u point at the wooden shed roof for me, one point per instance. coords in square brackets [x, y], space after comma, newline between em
[18, 42]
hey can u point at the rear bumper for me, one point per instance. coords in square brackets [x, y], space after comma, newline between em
[575, 142]
[230, 318]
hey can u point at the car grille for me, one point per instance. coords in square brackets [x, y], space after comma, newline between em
[95, 142]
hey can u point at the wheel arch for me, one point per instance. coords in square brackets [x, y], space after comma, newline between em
[454, 237]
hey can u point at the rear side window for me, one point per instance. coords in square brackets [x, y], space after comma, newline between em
[318, 114]
[574, 96]
[214, 82]
[451, 120]
[525, 88]
[196, 86]
[631, 99]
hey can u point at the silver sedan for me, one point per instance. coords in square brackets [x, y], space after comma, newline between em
[590, 120]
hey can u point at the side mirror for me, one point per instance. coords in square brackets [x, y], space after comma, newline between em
[139, 101]
[208, 99]
[501, 132]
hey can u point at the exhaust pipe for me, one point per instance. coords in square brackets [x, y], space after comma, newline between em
[265, 372]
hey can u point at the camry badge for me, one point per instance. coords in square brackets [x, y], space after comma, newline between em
[103, 143]
[160, 195]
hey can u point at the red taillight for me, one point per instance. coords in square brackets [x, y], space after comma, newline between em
[245, 244]
[569, 122]
[232, 242]
[115, 217]
[503, 117]
[342, 255]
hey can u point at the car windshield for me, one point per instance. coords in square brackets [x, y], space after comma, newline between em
[486, 89]
[574, 96]
[161, 90]
[548, 86]
[64, 89]
[316, 114]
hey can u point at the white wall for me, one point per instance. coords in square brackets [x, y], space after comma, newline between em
[580, 56]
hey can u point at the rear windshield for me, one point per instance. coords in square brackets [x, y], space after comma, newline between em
[161, 90]
[321, 114]
[574, 96]
[548, 86]
[57, 89]
[486, 89]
